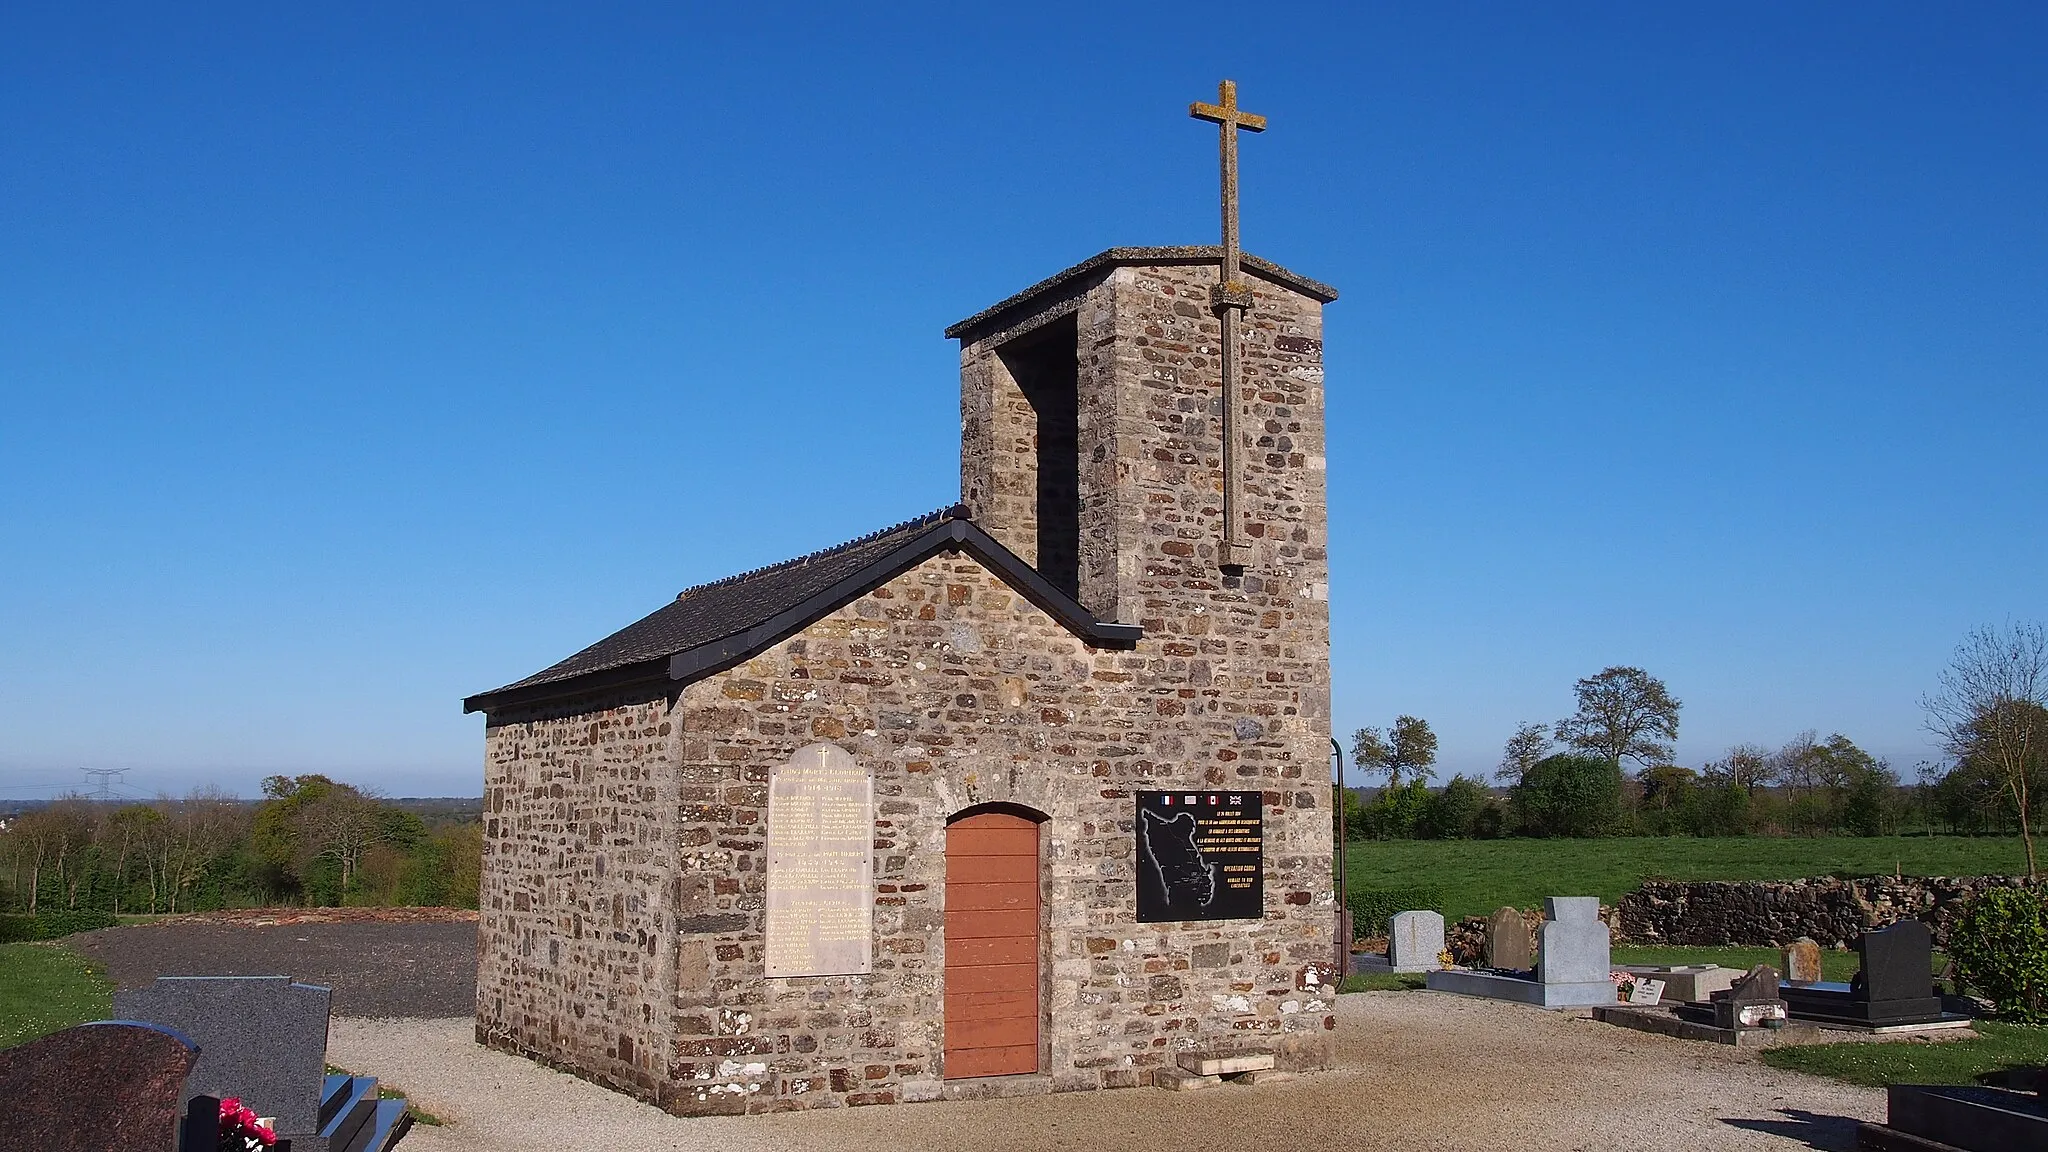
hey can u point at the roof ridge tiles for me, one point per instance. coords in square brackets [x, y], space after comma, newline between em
[953, 511]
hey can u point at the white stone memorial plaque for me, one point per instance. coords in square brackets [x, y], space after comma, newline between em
[1646, 991]
[821, 864]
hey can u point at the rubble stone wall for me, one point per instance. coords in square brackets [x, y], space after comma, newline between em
[1829, 910]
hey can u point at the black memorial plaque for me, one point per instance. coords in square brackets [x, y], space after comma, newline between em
[1201, 856]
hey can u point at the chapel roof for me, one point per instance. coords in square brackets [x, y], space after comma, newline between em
[711, 627]
[1086, 271]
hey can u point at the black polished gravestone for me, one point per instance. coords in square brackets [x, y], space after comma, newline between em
[114, 1084]
[1965, 1118]
[1894, 988]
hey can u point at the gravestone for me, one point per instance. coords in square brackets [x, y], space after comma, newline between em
[1802, 961]
[1752, 1002]
[1966, 1117]
[1415, 941]
[1507, 942]
[112, 1085]
[821, 863]
[1894, 989]
[261, 1038]
[1896, 962]
[1575, 942]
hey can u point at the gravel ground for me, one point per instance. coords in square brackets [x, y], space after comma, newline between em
[1418, 1072]
[376, 969]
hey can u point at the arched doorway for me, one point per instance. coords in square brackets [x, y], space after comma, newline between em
[992, 943]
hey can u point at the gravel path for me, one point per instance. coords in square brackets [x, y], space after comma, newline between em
[376, 969]
[1419, 1072]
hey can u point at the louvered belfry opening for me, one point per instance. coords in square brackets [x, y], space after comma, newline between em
[992, 945]
[1046, 370]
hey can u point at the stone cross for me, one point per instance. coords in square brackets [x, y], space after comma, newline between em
[1230, 298]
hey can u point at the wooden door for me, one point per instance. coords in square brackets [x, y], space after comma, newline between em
[991, 946]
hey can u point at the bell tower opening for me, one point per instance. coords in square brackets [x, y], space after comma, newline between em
[1042, 422]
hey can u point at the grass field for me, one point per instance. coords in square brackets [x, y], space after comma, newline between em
[1477, 876]
[45, 988]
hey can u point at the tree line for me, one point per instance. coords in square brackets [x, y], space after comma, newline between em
[310, 840]
[1608, 768]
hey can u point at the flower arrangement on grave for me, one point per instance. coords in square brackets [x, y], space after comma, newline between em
[1444, 959]
[1624, 985]
[241, 1130]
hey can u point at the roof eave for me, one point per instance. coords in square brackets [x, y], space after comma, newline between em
[1069, 278]
[712, 657]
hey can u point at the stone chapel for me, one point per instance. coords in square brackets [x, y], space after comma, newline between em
[1029, 794]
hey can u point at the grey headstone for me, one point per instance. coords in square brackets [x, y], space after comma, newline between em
[1415, 940]
[261, 1038]
[1575, 942]
[1507, 941]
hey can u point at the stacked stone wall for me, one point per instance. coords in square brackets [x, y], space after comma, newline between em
[573, 964]
[1831, 911]
[957, 692]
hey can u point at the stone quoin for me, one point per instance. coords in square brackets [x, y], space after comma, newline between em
[1003, 683]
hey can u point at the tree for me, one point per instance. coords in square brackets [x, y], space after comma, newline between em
[1748, 766]
[1992, 709]
[1624, 713]
[1530, 743]
[1408, 750]
[1669, 796]
[1453, 813]
[1567, 795]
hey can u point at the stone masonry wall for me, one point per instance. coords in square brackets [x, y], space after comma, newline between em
[1831, 911]
[574, 960]
[957, 692]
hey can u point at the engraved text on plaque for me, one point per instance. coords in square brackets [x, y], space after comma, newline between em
[821, 830]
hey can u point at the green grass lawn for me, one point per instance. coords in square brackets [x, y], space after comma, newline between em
[1477, 876]
[47, 988]
[2002, 1046]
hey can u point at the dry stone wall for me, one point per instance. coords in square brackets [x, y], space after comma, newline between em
[1831, 911]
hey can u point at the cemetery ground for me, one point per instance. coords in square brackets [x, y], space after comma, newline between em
[1416, 1069]
[1473, 877]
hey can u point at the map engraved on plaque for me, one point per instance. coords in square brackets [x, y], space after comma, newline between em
[821, 864]
[1201, 856]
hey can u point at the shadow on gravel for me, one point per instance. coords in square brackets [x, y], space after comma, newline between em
[1830, 1133]
[375, 969]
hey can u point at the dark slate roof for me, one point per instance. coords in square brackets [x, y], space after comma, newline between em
[1115, 257]
[713, 626]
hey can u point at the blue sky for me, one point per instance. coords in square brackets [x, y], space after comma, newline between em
[353, 360]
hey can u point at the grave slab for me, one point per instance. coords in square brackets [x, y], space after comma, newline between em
[1507, 941]
[1521, 989]
[1961, 1117]
[1687, 981]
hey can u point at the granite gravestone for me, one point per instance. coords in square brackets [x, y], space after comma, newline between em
[1802, 961]
[110, 1085]
[1575, 942]
[1966, 1117]
[1415, 941]
[1507, 942]
[261, 1038]
[821, 865]
[1752, 1002]
[1893, 989]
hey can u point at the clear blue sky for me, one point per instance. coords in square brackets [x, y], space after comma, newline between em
[354, 361]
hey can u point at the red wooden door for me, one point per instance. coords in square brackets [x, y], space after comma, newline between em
[991, 946]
